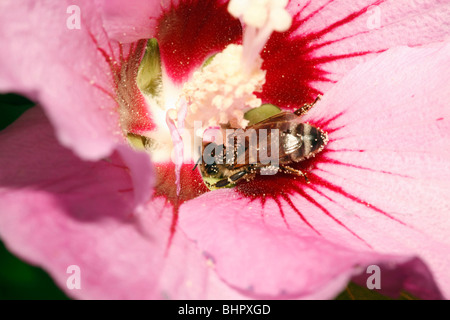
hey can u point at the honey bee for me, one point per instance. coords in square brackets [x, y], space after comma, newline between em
[296, 141]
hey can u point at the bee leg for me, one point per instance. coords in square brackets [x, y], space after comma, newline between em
[199, 159]
[295, 172]
[231, 179]
[238, 176]
[303, 110]
[221, 183]
[197, 163]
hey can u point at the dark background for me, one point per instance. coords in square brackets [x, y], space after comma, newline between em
[19, 280]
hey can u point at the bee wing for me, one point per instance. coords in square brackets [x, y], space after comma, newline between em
[281, 121]
[286, 123]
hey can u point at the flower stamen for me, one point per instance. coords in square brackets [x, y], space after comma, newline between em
[221, 93]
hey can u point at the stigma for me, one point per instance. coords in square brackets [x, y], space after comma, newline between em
[260, 18]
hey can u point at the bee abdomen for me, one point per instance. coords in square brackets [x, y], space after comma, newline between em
[313, 141]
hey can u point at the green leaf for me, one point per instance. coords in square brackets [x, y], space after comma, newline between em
[261, 113]
[356, 292]
[11, 107]
[149, 78]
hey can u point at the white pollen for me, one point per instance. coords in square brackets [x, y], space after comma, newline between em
[280, 19]
[237, 8]
[222, 92]
[259, 13]
[256, 16]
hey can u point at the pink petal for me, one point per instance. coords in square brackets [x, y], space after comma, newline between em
[130, 21]
[378, 193]
[389, 149]
[178, 146]
[254, 252]
[59, 211]
[330, 37]
[141, 173]
[75, 74]
[169, 177]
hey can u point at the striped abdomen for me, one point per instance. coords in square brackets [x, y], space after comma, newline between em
[302, 141]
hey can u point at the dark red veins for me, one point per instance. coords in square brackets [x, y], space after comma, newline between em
[191, 31]
[192, 187]
[293, 65]
[282, 186]
[123, 61]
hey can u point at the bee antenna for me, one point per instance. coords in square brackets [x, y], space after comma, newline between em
[198, 162]
[303, 110]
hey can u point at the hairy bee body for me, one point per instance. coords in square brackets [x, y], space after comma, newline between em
[296, 141]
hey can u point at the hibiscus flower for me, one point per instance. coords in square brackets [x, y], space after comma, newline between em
[74, 193]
